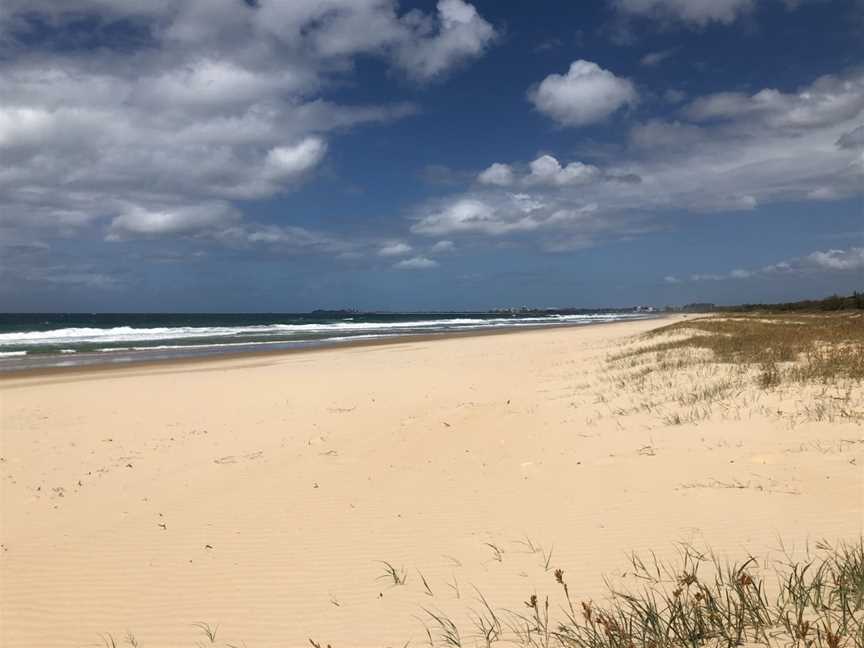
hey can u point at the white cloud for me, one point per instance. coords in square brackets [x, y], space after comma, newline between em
[497, 174]
[442, 247]
[851, 259]
[24, 125]
[787, 150]
[828, 100]
[655, 58]
[173, 220]
[293, 161]
[740, 151]
[586, 94]
[465, 215]
[695, 12]
[223, 102]
[496, 216]
[462, 34]
[848, 260]
[547, 170]
[285, 238]
[395, 248]
[416, 263]
[561, 224]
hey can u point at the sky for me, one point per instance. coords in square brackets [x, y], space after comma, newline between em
[288, 155]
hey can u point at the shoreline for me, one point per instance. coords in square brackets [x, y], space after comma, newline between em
[191, 358]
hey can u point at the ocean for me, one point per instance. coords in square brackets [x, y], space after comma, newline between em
[33, 340]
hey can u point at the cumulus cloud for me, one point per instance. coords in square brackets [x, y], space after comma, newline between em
[192, 219]
[462, 34]
[497, 174]
[828, 100]
[395, 248]
[849, 260]
[293, 161]
[561, 223]
[715, 156]
[733, 151]
[463, 215]
[586, 94]
[416, 263]
[214, 102]
[547, 170]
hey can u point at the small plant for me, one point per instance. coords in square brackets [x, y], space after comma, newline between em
[455, 587]
[208, 630]
[547, 558]
[108, 641]
[497, 552]
[398, 576]
[315, 644]
[428, 590]
[448, 632]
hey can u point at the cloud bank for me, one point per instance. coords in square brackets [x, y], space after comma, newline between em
[194, 107]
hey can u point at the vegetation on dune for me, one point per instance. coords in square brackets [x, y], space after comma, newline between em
[815, 347]
[700, 601]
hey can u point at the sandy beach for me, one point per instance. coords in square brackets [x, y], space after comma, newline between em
[262, 494]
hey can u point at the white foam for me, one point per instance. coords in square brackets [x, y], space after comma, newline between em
[131, 335]
[10, 354]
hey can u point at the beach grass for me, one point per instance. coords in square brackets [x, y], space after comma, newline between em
[725, 364]
[815, 347]
[697, 601]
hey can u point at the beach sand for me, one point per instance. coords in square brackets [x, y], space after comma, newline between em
[261, 493]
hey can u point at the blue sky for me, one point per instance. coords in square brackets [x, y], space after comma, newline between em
[231, 155]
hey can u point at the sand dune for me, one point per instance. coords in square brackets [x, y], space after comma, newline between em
[260, 494]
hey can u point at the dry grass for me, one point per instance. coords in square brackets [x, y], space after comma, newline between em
[819, 347]
[701, 601]
[724, 365]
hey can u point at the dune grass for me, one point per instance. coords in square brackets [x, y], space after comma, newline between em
[724, 364]
[818, 347]
[699, 601]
